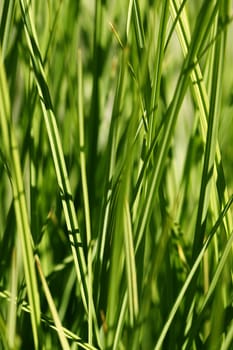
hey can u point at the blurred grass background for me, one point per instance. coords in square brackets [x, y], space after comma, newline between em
[115, 174]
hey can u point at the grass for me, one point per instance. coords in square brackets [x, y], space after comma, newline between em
[115, 174]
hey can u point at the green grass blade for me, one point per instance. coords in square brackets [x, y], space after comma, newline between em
[11, 324]
[140, 37]
[12, 151]
[85, 196]
[157, 73]
[6, 25]
[130, 266]
[57, 322]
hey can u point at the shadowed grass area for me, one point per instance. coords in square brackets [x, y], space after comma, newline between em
[115, 174]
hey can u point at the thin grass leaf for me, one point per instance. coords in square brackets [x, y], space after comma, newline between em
[140, 36]
[120, 324]
[129, 15]
[6, 25]
[12, 151]
[157, 72]
[55, 316]
[130, 266]
[3, 333]
[85, 195]
[11, 324]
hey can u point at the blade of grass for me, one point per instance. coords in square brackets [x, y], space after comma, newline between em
[118, 193]
[130, 265]
[85, 194]
[16, 178]
[11, 324]
[95, 101]
[157, 72]
[55, 316]
[5, 27]
[140, 37]
[3, 333]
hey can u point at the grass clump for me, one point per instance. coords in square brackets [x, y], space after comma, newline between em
[116, 192]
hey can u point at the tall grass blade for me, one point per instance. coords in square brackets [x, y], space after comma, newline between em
[57, 322]
[16, 178]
